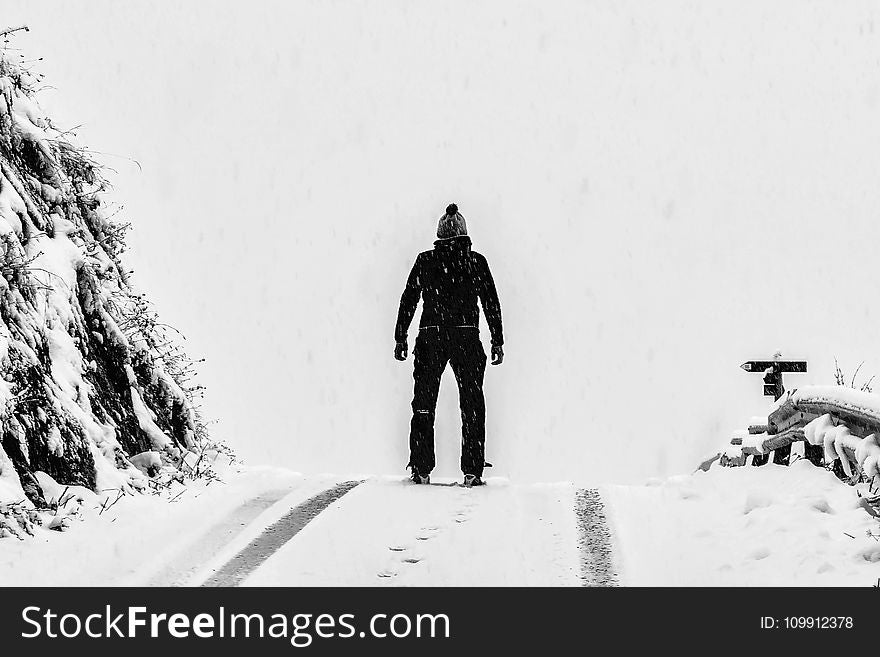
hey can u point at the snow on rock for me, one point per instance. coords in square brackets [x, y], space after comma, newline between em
[147, 462]
[87, 376]
[10, 485]
[146, 422]
[56, 493]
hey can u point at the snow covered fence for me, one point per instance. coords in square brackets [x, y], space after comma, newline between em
[843, 422]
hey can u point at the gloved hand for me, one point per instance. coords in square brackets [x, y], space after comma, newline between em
[497, 354]
[400, 350]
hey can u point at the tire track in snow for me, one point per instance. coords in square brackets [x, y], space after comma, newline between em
[233, 572]
[597, 562]
[190, 560]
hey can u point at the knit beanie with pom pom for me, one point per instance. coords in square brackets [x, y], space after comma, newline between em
[451, 224]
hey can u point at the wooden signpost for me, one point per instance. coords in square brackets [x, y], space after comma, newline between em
[772, 371]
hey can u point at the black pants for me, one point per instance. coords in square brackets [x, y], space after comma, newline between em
[461, 348]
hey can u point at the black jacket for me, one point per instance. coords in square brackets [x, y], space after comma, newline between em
[450, 278]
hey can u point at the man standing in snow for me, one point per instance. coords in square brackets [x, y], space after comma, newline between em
[449, 278]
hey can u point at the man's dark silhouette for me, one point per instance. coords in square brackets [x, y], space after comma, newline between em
[450, 279]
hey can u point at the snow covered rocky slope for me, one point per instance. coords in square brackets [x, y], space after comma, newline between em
[92, 391]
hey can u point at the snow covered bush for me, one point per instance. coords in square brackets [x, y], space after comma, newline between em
[89, 378]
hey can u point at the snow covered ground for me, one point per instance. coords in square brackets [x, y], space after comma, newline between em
[729, 527]
[390, 533]
[384, 532]
[137, 540]
[767, 526]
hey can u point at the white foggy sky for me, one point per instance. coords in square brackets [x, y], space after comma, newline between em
[663, 190]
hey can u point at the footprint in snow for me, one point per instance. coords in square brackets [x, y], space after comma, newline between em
[759, 553]
[427, 533]
[398, 548]
[411, 560]
[385, 574]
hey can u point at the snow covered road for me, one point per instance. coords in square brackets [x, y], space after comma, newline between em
[215, 539]
[272, 527]
[734, 527]
[388, 532]
[275, 536]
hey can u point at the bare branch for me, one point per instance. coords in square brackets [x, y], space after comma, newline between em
[855, 374]
[12, 30]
